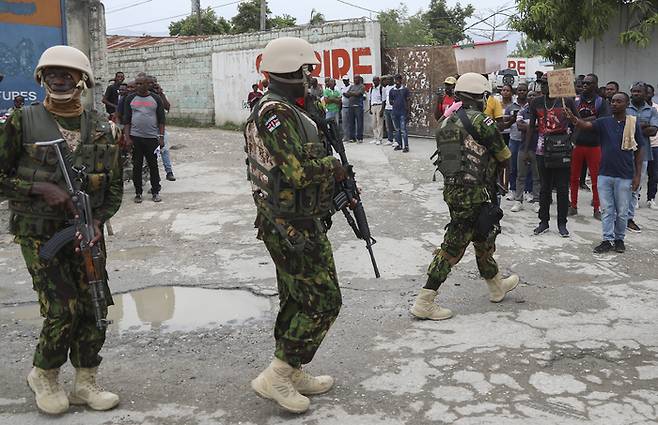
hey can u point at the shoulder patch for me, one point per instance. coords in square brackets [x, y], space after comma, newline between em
[488, 120]
[272, 123]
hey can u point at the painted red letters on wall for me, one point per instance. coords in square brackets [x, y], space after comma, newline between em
[338, 62]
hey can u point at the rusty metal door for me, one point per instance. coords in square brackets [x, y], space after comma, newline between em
[424, 68]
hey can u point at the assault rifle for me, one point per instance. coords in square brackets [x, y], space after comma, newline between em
[83, 224]
[347, 192]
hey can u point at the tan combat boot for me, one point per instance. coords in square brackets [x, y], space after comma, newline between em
[86, 391]
[308, 384]
[424, 307]
[50, 396]
[275, 383]
[498, 287]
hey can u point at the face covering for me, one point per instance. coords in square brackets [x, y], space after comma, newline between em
[65, 104]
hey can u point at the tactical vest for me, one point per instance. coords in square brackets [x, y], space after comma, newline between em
[274, 195]
[460, 158]
[40, 164]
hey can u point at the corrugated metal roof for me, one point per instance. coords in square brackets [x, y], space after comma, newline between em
[126, 42]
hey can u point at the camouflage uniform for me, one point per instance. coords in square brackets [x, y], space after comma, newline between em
[309, 294]
[65, 300]
[464, 203]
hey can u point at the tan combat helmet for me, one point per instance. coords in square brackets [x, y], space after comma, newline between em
[287, 54]
[472, 83]
[65, 57]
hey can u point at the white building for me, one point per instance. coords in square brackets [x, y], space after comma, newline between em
[611, 61]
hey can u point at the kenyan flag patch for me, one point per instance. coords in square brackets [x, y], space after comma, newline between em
[273, 123]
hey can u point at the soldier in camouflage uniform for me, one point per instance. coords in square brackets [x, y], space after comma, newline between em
[40, 207]
[470, 150]
[293, 185]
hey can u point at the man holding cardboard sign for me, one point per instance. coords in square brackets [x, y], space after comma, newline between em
[554, 145]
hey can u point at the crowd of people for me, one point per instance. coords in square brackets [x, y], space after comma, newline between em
[138, 109]
[535, 126]
[603, 131]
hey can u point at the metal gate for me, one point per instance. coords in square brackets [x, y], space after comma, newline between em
[424, 68]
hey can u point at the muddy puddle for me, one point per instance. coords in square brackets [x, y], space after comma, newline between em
[169, 309]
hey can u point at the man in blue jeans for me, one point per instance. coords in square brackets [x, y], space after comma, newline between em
[622, 153]
[399, 100]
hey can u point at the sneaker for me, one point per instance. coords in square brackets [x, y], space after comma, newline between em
[619, 246]
[397, 148]
[372, 142]
[562, 228]
[542, 228]
[138, 199]
[518, 206]
[405, 150]
[156, 197]
[597, 215]
[395, 144]
[378, 142]
[651, 204]
[603, 247]
[535, 207]
[633, 227]
[388, 143]
[351, 141]
[510, 195]
[528, 197]
[171, 177]
[585, 187]
[359, 141]
[573, 211]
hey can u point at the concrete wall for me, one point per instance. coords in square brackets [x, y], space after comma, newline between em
[208, 80]
[343, 49]
[85, 30]
[612, 61]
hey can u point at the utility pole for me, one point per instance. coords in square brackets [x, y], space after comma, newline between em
[196, 10]
[263, 14]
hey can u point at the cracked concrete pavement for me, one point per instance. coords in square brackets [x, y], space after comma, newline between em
[575, 344]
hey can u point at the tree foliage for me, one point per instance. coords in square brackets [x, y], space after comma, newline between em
[317, 18]
[402, 30]
[561, 24]
[248, 17]
[447, 23]
[527, 48]
[210, 24]
[246, 20]
[438, 25]
[282, 21]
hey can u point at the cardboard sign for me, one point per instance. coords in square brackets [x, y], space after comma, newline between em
[560, 83]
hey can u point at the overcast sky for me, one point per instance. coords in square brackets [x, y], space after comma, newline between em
[131, 20]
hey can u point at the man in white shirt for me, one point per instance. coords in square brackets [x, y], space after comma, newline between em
[387, 82]
[375, 109]
[345, 107]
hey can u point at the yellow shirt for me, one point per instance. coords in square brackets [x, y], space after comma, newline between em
[494, 108]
